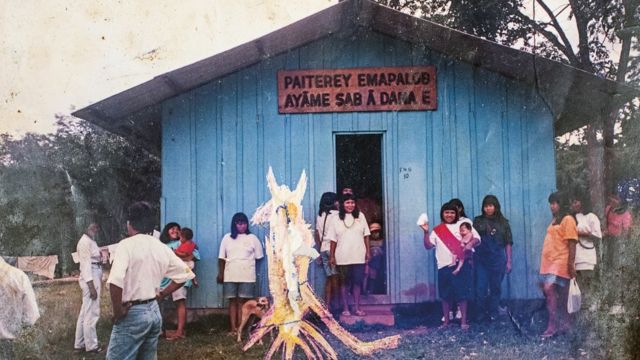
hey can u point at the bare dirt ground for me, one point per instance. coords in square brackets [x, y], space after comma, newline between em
[52, 336]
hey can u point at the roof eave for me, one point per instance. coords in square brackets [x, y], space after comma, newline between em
[558, 84]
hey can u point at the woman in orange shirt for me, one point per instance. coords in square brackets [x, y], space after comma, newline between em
[557, 263]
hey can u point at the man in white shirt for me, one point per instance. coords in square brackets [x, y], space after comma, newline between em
[140, 262]
[90, 282]
[17, 306]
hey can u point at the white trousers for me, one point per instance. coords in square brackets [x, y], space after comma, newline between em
[86, 336]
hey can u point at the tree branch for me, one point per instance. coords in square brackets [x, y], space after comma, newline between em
[583, 37]
[573, 60]
[556, 25]
[626, 38]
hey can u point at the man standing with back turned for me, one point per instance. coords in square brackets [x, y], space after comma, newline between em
[140, 262]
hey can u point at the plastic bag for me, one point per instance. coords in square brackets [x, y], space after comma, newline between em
[422, 219]
[575, 297]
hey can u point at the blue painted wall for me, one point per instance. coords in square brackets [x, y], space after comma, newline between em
[489, 135]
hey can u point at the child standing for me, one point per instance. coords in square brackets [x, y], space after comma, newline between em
[374, 270]
[239, 251]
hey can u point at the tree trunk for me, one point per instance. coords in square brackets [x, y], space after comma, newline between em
[596, 168]
[608, 134]
[606, 181]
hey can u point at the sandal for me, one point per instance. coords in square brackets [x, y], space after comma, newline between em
[346, 313]
[360, 313]
[176, 337]
[97, 350]
[464, 327]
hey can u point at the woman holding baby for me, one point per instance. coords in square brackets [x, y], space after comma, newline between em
[452, 238]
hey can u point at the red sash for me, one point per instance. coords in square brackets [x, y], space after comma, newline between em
[450, 241]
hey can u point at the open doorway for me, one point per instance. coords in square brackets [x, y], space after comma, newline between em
[359, 167]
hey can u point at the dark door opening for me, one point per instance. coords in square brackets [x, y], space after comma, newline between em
[359, 167]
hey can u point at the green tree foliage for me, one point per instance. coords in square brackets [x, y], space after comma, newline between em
[543, 29]
[51, 186]
[34, 198]
[627, 145]
[490, 19]
[572, 170]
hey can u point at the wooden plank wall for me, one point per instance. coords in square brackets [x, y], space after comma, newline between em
[489, 135]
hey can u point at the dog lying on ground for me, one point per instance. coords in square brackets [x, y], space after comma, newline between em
[257, 307]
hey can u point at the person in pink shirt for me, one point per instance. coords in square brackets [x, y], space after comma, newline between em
[618, 217]
[618, 221]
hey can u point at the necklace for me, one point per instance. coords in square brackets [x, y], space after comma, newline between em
[352, 222]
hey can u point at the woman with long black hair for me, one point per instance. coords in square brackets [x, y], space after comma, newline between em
[492, 258]
[349, 235]
[326, 212]
[237, 257]
[454, 288]
[557, 263]
[169, 236]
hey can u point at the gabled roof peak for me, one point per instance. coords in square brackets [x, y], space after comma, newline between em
[573, 95]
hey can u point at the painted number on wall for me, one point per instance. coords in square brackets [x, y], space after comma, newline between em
[405, 172]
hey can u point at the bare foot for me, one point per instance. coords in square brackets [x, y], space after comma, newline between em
[176, 336]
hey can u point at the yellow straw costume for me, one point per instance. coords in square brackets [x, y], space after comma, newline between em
[289, 249]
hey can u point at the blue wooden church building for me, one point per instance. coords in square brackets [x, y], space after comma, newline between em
[482, 121]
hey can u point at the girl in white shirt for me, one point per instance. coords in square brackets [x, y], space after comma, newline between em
[239, 251]
[349, 235]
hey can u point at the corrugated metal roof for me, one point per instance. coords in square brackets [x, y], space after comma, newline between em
[573, 95]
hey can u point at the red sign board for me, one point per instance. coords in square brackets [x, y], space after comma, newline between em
[357, 89]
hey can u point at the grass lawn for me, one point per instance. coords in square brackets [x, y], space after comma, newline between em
[52, 336]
